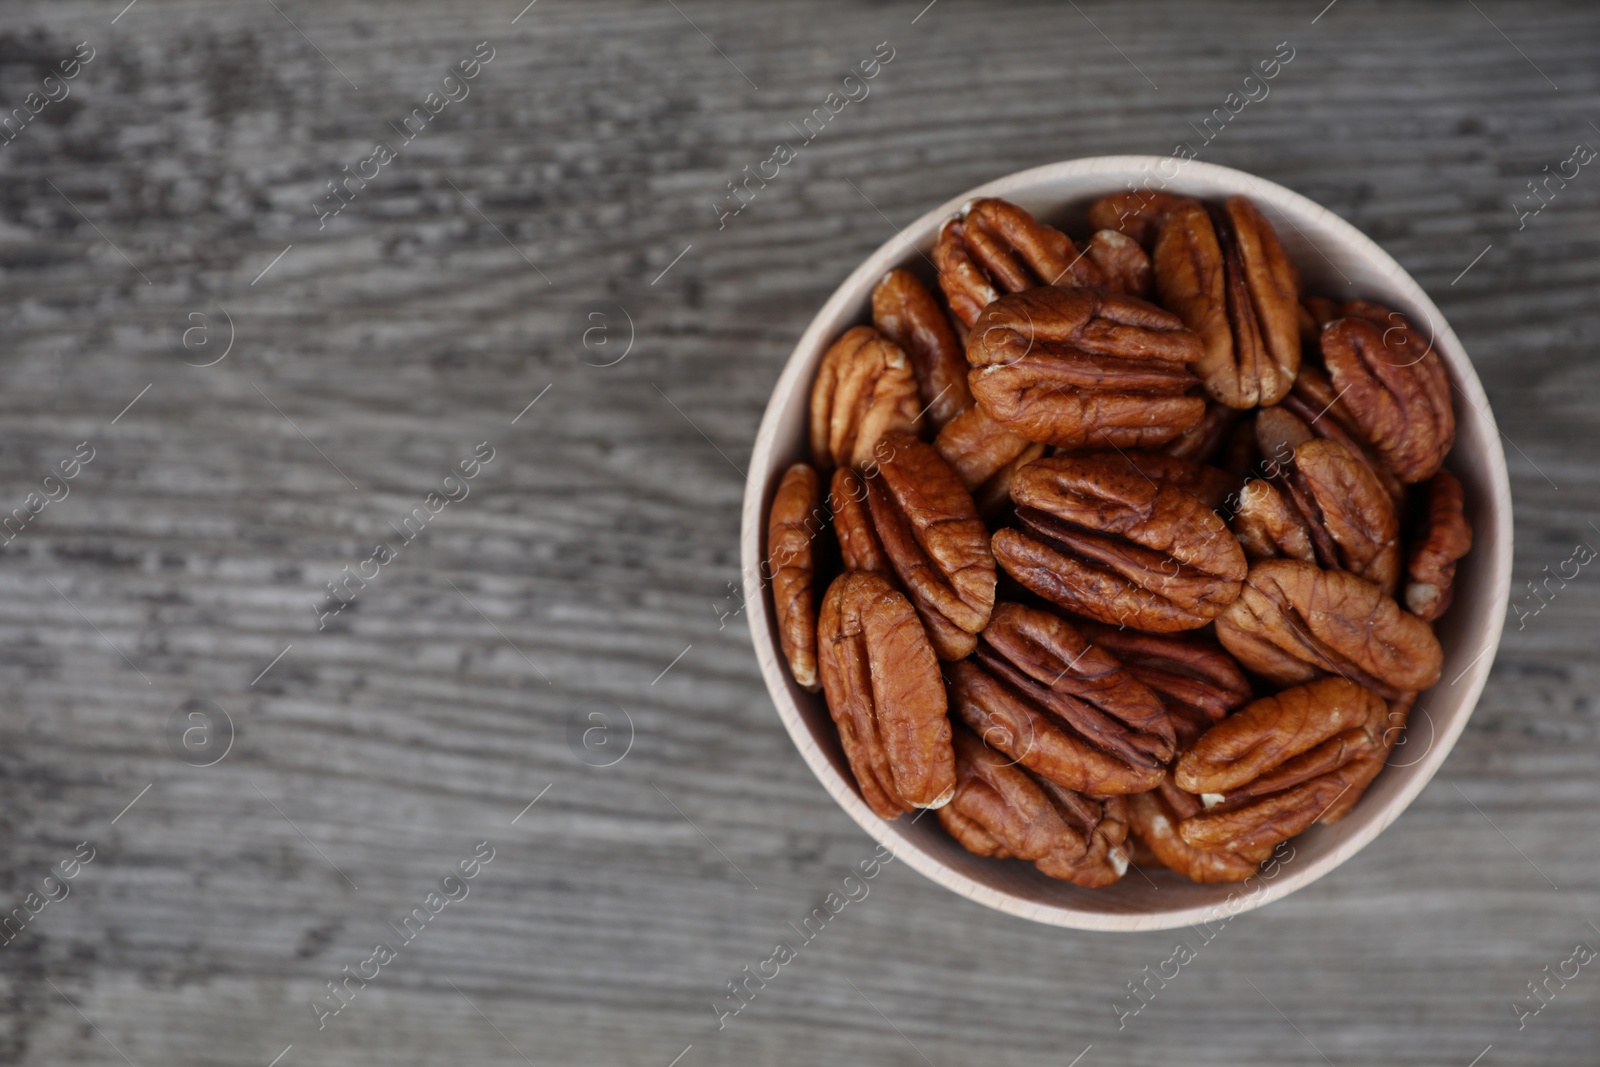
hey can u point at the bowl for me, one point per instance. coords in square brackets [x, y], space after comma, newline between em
[1336, 260]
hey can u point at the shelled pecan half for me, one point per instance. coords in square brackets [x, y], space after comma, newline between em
[1324, 500]
[885, 695]
[796, 518]
[906, 313]
[1108, 543]
[929, 529]
[1226, 275]
[996, 247]
[1282, 763]
[1084, 367]
[1294, 622]
[864, 388]
[1395, 387]
[1444, 537]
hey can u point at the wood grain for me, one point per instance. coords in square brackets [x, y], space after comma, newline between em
[600, 542]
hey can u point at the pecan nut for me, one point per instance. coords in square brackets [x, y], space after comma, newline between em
[1062, 707]
[906, 313]
[996, 247]
[1001, 810]
[931, 534]
[1084, 367]
[1124, 266]
[1105, 542]
[1268, 526]
[1154, 818]
[852, 524]
[1444, 537]
[1294, 622]
[1329, 501]
[883, 689]
[1397, 389]
[1225, 273]
[1304, 777]
[978, 448]
[1135, 212]
[864, 388]
[1322, 410]
[793, 523]
[1199, 683]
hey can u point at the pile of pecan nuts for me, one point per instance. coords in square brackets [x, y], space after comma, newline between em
[1131, 550]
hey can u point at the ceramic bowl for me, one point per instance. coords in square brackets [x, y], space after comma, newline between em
[1336, 260]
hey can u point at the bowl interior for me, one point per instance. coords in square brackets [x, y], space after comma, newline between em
[1336, 260]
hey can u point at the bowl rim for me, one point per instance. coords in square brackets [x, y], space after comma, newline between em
[854, 292]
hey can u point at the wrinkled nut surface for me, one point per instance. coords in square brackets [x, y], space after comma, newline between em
[1268, 527]
[1226, 275]
[906, 313]
[1135, 212]
[995, 248]
[1212, 485]
[929, 529]
[1001, 810]
[1105, 542]
[852, 524]
[978, 448]
[864, 388]
[1359, 773]
[1038, 691]
[1197, 681]
[1325, 503]
[1319, 785]
[796, 518]
[1444, 537]
[1124, 266]
[1294, 621]
[1322, 411]
[1396, 389]
[1154, 818]
[884, 691]
[1280, 740]
[1084, 367]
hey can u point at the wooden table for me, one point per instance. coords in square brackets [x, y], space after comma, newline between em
[268, 787]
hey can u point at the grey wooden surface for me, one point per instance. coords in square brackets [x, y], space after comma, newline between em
[589, 569]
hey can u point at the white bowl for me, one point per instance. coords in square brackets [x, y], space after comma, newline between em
[1336, 260]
